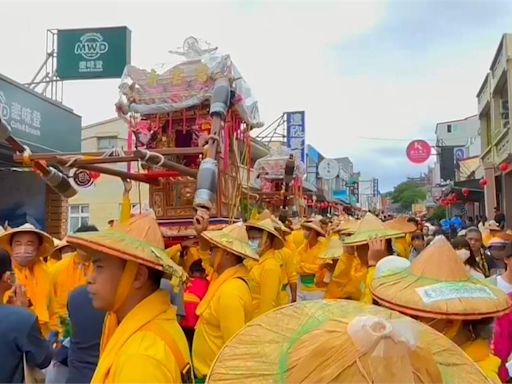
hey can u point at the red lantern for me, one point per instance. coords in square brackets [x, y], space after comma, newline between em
[94, 175]
[484, 182]
[466, 192]
[504, 167]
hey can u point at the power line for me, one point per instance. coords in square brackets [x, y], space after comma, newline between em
[386, 139]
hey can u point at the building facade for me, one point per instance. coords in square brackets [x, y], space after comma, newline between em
[102, 201]
[494, 115]
[455, 140]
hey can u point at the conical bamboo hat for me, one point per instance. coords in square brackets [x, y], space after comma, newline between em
[371, 227]
[341, 341]
[139, 240]
[401, 224]
[437, 284]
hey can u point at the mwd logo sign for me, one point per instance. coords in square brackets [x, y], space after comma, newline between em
[93, 53]
[91, 46]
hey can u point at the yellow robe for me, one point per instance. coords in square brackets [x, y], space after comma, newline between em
[37, 282]
[68, 274]
[224, 310]
[295, 240]
[347, 278]
[402, 247]
[288, 273]
[480, 353]
[136, 353]
[309, 264]
[265, 281]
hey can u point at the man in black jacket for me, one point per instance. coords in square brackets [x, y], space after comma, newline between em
[20, 335]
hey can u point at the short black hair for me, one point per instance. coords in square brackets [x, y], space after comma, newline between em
[197, 267]
[87, 228]
[155, 276]
[5, 263]
[412, 220]
[418, 236]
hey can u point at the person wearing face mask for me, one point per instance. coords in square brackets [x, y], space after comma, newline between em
[464, 251]
[309, 260]
[70, 273]
[265, 276]
[227, 305]
[20, 336]
[27, 247]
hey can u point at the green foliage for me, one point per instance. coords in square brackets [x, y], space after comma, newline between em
[408, 193]
[438, 214]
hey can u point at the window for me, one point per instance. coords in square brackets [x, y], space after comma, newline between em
[78, 216]
[133, 207]
[449, 128]
[107, 142]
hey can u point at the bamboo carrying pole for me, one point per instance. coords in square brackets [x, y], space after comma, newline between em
[109, 171]
[56, 180]
[153, 160]
[129, 155]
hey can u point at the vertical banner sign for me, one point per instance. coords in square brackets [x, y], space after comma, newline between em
[296, 134]
[93, 53]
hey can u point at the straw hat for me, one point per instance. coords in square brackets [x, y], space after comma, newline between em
[315, 225]
[371, 227]
[267, 225]
[348, 227]
[138, 240]
[438, 285]
[391, 264]
[334, 249]
[341, 341]
[57, 246]
[233, 239]
[266, 214]
[47, 241]
[401, 224]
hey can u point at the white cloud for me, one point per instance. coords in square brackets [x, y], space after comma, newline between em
[286, 51]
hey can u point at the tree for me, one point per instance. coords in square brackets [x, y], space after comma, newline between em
[408, 193]
[438, 214]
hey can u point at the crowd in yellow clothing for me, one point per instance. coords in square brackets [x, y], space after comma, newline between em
[254, 268]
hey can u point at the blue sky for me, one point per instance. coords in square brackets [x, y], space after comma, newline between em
[358, 68]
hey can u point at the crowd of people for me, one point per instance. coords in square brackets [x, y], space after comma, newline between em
[114, 305]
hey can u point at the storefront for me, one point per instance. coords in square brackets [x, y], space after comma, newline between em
[43, 125]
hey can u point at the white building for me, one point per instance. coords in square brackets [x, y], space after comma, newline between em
[455, 140]
[369, 194]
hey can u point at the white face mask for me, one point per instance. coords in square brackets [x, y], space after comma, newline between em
[463, 254]
[255, 244]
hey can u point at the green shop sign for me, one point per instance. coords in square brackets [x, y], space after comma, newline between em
[40, 123]
[93, 53]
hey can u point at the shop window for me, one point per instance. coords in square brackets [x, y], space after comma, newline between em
[78, 216]
[107, 142]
